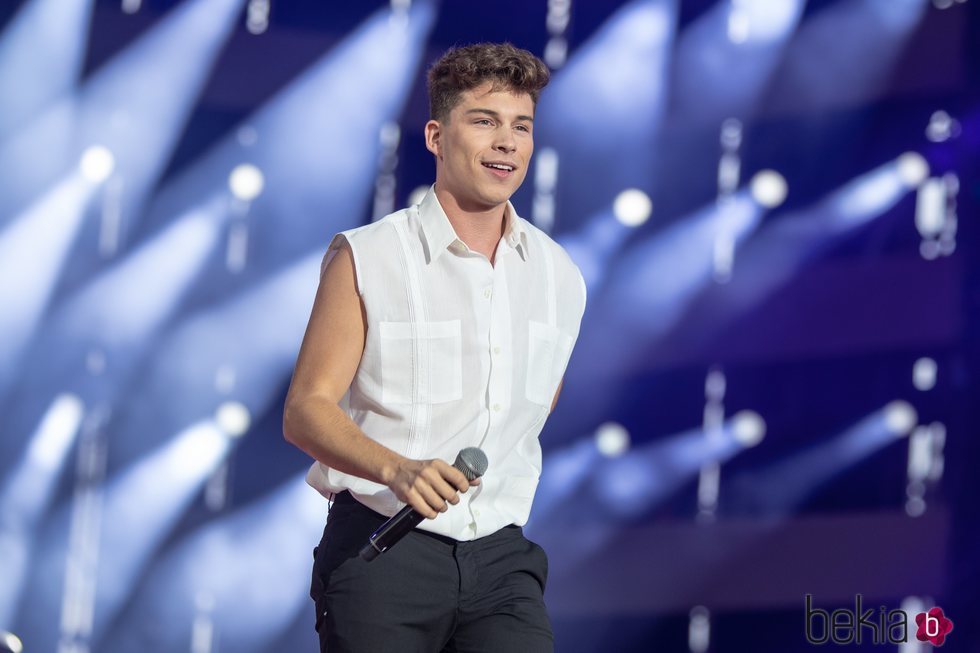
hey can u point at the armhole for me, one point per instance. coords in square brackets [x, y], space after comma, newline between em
[335, 246]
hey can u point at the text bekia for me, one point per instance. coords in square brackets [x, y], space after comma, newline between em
[855, 627]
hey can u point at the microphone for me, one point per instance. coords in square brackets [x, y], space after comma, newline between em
[471, 461]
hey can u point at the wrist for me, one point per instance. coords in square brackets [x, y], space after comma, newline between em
[389, 468]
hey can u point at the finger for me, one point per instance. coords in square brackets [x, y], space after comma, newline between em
[440, 474]
[435, 501]
[421, 506]
[454, 476]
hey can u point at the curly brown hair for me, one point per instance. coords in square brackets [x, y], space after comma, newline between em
[463, 68]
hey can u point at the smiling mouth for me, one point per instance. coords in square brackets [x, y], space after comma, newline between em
[502, 167]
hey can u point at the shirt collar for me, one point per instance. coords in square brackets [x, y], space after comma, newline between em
[439, 233]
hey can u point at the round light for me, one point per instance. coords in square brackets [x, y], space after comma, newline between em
[912, 169]
[97, 163]
[942, 127]
[11, 642]
[612, 439]
[389, 135]
[731, 133]
[416, 196]
[224, 379]
[915, 506]
[916, 488]
[95, 362]
[233, 418]
[246, 182]
[929, 249]
[748, 428]
[556, 52]
[924, 374]
[714, 385]
[900, 417]
[632, 207]
[204, 601]
[247, 136]
[768, 188]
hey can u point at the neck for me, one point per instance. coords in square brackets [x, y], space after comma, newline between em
[480, 227]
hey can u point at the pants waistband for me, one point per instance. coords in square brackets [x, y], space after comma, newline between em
[346, 500]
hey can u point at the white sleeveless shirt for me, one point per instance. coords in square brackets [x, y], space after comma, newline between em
[458, 353]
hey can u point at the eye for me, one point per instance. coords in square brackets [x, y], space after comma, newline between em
[524, 128]
[483, 121]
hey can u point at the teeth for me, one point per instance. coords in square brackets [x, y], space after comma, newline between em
[498, 166]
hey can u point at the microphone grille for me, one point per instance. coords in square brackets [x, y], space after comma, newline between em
[472, 462]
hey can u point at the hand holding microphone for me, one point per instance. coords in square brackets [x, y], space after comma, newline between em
[472, 462]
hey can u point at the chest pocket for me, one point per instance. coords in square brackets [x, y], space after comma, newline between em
[548, 351]
[421, 362]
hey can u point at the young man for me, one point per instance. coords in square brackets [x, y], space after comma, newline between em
[442, 326]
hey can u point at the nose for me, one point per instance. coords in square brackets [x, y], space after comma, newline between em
[504, 141]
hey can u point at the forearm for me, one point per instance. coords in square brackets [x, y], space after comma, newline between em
[323, 430]
[319, 427]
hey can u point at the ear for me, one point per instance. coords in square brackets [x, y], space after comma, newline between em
[433, 133]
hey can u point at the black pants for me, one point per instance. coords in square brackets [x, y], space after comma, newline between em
[428, 593]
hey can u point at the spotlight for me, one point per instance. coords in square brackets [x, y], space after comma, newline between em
[233, 418]
[900, 417]
[246, 182]
[632, 207]
[748, 428]
[738, 26]
[912, 169]
[10, 643]
[57, 429]
[769, 188]
[612, 440]
[97, 163]
[924, 374]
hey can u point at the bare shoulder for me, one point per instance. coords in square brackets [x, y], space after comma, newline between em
[334, 340]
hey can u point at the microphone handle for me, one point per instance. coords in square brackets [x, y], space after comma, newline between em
[390, 532]
[471, 461]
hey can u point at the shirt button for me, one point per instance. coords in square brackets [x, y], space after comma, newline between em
[496, 350]
[486, 293]
[496, 408]
[476, 513]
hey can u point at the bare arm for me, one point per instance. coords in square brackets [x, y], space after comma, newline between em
[555, 400]
[313, 420]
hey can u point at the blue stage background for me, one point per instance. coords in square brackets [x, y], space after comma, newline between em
[774, 392]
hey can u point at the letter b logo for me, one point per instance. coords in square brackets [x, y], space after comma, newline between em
[817, 619]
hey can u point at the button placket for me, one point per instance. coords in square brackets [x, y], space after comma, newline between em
[500, 366]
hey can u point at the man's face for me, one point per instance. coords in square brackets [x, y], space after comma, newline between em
[483, 150]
